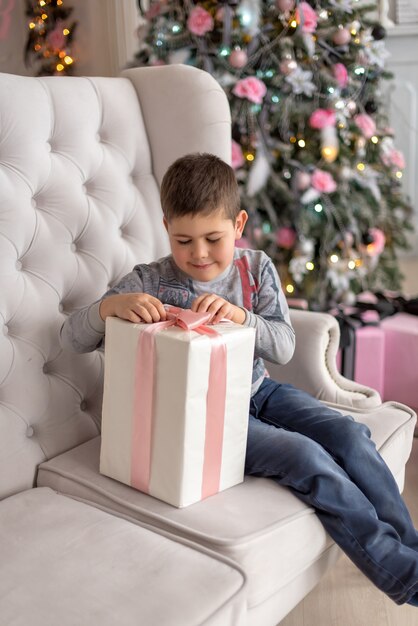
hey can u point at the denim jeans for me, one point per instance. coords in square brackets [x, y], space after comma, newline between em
[329, 462]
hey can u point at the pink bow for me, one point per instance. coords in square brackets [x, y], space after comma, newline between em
[143, 402]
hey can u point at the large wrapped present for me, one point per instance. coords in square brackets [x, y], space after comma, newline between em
[362, 350]
[401, 358]
[175, 405]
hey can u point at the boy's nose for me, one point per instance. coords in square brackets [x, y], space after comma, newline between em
[199, 250]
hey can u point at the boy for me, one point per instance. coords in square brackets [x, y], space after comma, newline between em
[326, 459]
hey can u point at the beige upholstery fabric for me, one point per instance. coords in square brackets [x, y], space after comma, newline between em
[68, 564]
[260, 525]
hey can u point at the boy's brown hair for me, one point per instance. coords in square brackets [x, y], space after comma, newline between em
[199, 183]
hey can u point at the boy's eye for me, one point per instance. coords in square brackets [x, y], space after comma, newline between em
[183, 243]
[213, 240]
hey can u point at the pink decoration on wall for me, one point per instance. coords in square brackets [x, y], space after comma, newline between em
[6, 8]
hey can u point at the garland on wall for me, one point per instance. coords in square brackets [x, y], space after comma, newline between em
[50, 37]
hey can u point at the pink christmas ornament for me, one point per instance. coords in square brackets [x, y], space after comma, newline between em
[251, 88]
[341, 75]
[321, 118]
[285, 5]
[285, 237]
[303, 180]
[306, 17]
[237, 158]
[287, 66]
[323, 181]
[366, 124]
[238, 58]
[378, 244]
[341, 37]
[200, 21]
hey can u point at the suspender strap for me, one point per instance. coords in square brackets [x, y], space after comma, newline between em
[248, 286]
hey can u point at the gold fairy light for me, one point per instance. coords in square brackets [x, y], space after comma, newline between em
[290, 288]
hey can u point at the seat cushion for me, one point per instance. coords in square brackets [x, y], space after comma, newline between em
[260, 525]
[65, 562]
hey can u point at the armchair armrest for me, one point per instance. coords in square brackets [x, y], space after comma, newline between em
[313, 366]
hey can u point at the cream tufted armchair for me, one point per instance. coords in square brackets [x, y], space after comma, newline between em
[81, 161]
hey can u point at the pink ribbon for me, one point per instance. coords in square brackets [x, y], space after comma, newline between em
[143, 400]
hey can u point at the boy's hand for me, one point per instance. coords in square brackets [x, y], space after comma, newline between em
[220, 308]
[134, 307]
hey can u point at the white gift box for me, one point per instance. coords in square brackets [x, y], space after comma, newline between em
[177, 456]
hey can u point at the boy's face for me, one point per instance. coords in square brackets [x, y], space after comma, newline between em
[203, 246]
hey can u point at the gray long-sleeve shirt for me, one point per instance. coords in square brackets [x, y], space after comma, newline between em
[250, 282]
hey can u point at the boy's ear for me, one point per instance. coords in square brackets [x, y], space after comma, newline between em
[240, 222]
[165, 224]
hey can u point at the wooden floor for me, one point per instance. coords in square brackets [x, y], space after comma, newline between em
[346, 598]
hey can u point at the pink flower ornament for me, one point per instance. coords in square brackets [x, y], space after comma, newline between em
[200, 21]
[323, 181]
[251, 88]
[237, 158]
[366, 124]
[321, 118]
[394, 157]
[340, 74]
[306, 17]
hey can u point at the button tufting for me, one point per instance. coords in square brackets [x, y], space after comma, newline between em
[33, 203]
[48, 147]
[83, 405]
[98, 138]
[84, 188]
[5, 330]
[73, 247]
[61, 307]
[29, 431]
[18, 265]
[120, 232]
[45, 368]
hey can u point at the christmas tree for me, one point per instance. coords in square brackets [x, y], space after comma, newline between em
[319, 173]
[50, 37]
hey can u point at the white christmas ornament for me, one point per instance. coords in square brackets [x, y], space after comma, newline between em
[259, 173]
[249, 15]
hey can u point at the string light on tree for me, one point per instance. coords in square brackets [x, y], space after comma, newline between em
[50, 37]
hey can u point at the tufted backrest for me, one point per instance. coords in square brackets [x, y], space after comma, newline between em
[81, 160]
